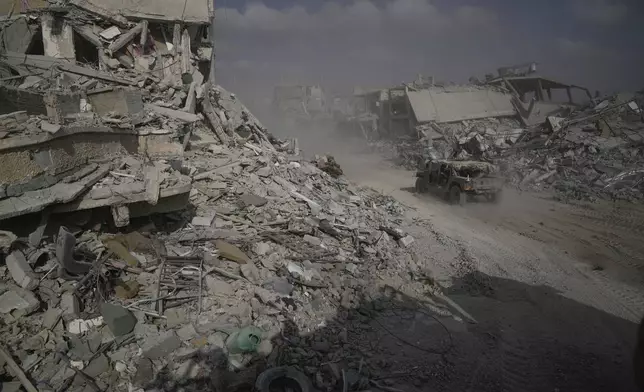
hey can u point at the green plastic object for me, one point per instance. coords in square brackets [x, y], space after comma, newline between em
[245, 340]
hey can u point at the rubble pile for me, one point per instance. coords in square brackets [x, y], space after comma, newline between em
[149, 219]
[470, 139]
[596, 151]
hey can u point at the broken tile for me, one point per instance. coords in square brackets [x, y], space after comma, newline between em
[231, 252]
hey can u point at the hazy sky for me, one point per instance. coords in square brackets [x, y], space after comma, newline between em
[595, 43]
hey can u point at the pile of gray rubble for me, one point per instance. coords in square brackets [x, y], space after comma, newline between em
[148, 219]
[594, 151]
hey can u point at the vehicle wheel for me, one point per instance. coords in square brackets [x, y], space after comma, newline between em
[456, 196]
[421, 185]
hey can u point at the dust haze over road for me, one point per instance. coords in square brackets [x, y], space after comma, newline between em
[514, 266]
[557, 289]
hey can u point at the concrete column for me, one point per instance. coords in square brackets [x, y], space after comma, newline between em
[212, 55]
[569, 94]
[540, 96]
[57, 37]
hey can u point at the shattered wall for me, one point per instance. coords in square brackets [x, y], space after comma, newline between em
[13, 99]
[62, 154]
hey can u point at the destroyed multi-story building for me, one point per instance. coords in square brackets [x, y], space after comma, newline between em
[300, 102]
[84, 80]
[148, 219]
[545, 133]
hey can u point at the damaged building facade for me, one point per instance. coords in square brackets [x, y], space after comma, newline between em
[545, 134]
[86, 80]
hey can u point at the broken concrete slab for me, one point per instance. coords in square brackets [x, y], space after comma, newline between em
[18, 299]
[144, 372]
[97, 366]
[152, 183]
[12, 386]
[51, 318]
[187, 332]
[35, 201]
[171, 113]
[155, 347]
[125, 38]
[198, 11]
[191, 100]
[205, 221]
[406, 241]
[18, 60]
[120, 215]
[250, 199]
[231, 252]
[21, 271]
[18, 35]
[315, 241]
[118, 319]
[250, 272]
[49, 127]
[118, 193]
[69, 304]
[218, 286]
[176, 317]
[120, 100]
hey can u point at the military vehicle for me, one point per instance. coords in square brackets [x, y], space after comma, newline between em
[458, 181]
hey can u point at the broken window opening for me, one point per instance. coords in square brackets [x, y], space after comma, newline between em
[36, 46]
[86, 52]
[398, 107]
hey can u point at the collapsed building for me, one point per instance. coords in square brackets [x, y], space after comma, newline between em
[301, 103]
[511, 119]
[86, 81]
[148, 220]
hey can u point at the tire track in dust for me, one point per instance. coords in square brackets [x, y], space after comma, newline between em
[628, 300]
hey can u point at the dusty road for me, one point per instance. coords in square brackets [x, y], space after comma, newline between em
[557, 289]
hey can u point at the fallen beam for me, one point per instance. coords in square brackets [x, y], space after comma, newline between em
[86, 32]
[36, 201]
[176, 114]
[125, 38]
[213, 119]
[47, 63]
[117, 19]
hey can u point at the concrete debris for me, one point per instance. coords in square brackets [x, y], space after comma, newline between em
[240, 231]
[20, 270]
[205, 221]
[49, 127]
[80, 326]
[406, 241]
[328, 164]
[69, 304]
[18, 300]
[156, 347]
[231, 252]
[118, 319]
[541, 146]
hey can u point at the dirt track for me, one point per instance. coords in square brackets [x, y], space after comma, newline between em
[557, 289]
